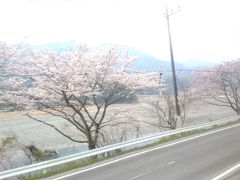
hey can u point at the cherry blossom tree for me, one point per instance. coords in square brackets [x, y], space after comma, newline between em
[221, 84]
[7, 52]
[162, 108]
[78, 87]
[8, 56]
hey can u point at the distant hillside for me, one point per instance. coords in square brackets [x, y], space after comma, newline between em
[198, 64]
[145, 62]
[57, 46]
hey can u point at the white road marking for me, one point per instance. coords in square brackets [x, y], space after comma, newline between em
[168, 164]
[144, 152]
[229, 171]
[143, 174]
[161, 166]
[172, 162]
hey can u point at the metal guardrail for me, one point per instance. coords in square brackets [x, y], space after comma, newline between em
[109, 148]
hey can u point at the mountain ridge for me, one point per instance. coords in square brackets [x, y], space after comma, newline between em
[144, 62]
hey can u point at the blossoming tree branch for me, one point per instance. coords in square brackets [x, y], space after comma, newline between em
[68, 85]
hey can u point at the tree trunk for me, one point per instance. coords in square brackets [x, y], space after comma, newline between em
[92, 146]
[91, 143]
[238, 112]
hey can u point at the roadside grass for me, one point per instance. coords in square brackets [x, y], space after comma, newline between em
[71, 166]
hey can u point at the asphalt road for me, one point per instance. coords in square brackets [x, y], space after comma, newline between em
[200, 158]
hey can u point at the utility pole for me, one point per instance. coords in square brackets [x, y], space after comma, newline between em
[172, 64]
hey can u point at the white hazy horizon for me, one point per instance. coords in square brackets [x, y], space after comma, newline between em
[203, 29]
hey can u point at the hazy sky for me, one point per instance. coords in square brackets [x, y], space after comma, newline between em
[203, 29]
